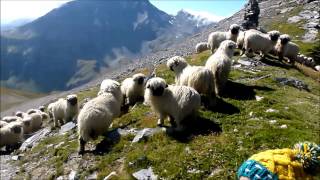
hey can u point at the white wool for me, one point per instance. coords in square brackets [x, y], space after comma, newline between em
[9, 119]
[215, 38]
[220, 64]
[97, 114]
[197, 77]
[202, 46]
[175, 102]
[27, 122]
[132, 89]
[259, 42]
[285, 48]
[2, 123]
[11, 134]
[63, 110]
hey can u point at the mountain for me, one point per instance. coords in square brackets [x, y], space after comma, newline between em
[82, 39]
[14, 24]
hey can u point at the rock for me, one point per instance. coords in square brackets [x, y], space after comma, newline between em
[31, 141]
[317, 67]
[193, 171]
[293, 82]
[145, 174]
[73, 175]
[235, 130]
[284, 126]
[271, 110]
[259, 98]
[111, 175]
[251, 114]
[145, 133]
[117, 133]
[307, 14]
[67, 127]
[273, 121]
[93, 176]
[216, 172]
[245, 63]
[17, 157]
[187, 149]
[310, 35]
[286, 10]
[294, 19]
[58, 145]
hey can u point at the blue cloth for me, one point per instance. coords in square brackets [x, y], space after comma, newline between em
[255, 171]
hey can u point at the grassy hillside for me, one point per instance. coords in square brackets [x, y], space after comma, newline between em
[220, 141]
[11, 97]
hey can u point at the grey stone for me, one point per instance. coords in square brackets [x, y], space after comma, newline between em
[307, 14]
[67, 127]
[286, 10]
[293, 82]
[17, 157]
[111, 175]
[92, 176]
[310, 36]
[145, 133]
[294, 19]
[31, 141]
[145, 174]
[73, 175]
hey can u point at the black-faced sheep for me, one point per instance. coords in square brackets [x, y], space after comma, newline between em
[259, 42]
[96, 115]
[197, 77]
[285, 48]
[65, 110]
[175, 102]
[11, 134]
[220, 64]
[216, 38]
[133, 89]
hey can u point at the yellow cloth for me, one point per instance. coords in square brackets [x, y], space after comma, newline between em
[282, 162]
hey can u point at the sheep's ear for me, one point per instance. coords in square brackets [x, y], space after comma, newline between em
[166, 85]
[148, 86]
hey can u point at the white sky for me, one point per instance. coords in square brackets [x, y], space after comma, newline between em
[12, 10]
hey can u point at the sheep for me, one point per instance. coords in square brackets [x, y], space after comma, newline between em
[173, 101]
[41, 108]
[9, 119]
[197, 77]
[11, 134]
[285, 48]
[36, 121]
[65, 110]
[202, 46]
[216, 38]
[96, 115]
[50, 109]
[220, 64]
[240, 38]
[2, 123]
[133, 89]
[27, 124]
[259, 42]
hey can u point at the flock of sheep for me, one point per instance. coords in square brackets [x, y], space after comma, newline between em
[194, 86]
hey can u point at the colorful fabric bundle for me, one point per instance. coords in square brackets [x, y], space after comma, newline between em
[301, 162]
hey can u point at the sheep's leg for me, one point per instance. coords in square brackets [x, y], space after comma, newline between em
[82, 144]
[217, 82]
[161, 120]
[55, 121]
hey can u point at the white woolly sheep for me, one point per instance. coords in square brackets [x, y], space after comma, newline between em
[216, 38]
[27, 123]
[197, 77]
[175, 102]
[2, 123]
[11, 134]
[133, 89]
[96, 115]
[220, 64]
[202, 46]
[65, 110]
[36, 121]
[285, 48]
[259, 42]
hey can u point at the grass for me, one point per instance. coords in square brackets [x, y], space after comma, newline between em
[215, 154]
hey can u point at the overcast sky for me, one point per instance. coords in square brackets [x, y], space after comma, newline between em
[12, 10]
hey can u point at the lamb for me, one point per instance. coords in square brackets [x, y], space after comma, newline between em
[285, 48]
[11, 134]
[96, 115]
[259, 42]
[202, 46]
[175, 102]
[216, 38]
[65, 110]
[220, 64]
[133, 89]
[197, 77]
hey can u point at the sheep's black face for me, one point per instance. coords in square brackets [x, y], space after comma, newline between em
[274, 37]
[73, 101]
[284, 41]
[140, 80]
[171, 67]
[234, 31]
[157, 91]
[41, 109]
[16, 129]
